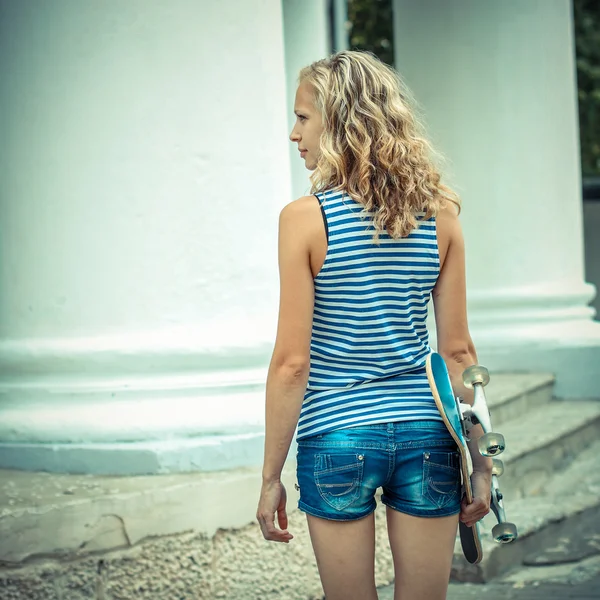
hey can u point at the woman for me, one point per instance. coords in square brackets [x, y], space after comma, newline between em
[359, 261]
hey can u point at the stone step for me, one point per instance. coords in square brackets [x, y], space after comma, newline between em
[579, 581]
[557, 523]
[546, 440]
[571, 571]
[510, 394]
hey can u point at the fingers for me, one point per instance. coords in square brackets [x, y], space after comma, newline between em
[273, 500]
[471, 513]
[270, 532]
[282, 518]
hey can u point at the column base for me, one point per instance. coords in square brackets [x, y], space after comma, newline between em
[573, 359]
[132, 405]
[206, 453]
[549, 330]
[538, 329]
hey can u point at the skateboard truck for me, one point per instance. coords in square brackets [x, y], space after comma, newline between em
[490, 444]
[504, 532]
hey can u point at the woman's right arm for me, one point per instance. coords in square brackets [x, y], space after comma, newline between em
[454, 341]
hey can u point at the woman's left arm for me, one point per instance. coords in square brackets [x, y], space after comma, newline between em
[290, 364]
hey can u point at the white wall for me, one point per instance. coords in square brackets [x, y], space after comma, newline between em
[142, 167]
[142, 164]
[306, 33]
[496, 81]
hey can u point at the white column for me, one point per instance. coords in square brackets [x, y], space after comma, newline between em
[497, 84]
[341, 37]
[144, 164]
[307, 38]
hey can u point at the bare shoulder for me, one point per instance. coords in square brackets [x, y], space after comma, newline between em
[448, 229]
[304, 206]
[302, 214]
[448, 215]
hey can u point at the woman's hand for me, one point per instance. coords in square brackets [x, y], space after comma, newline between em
[481, 482]
[273, 498]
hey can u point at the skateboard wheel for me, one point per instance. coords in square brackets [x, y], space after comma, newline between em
[491, 444]
[505, 533]
[476, 374]
[497, 467]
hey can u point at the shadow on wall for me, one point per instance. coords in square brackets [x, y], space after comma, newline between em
[591, 232]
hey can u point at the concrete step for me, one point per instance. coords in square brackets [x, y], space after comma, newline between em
[580, 581]
[558, 523]
[511, 394]
[569, 572]
[544, 441]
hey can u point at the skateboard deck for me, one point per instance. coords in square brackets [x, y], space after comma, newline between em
[447, 404]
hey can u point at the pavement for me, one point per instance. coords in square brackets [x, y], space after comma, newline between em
[567, 580]
[570, 570]
[531, 591]
[589, 590]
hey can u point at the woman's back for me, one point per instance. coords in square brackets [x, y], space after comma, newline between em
[369, 338]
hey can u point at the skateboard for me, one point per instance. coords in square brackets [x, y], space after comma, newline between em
[459, 418]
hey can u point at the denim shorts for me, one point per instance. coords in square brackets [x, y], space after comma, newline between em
[415, 462]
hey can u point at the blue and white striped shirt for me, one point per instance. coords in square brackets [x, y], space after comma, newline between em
[369, 338]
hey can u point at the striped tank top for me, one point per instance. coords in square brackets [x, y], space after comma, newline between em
[369, 338]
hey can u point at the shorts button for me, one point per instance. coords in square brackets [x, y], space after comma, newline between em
[426, 455]
[361, 457]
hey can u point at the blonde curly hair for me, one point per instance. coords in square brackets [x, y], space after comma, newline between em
[371, 145]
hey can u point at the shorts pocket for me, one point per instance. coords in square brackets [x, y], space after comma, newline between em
[338, 478]
[441, 477]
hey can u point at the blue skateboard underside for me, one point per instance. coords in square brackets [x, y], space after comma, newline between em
[444, 388]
